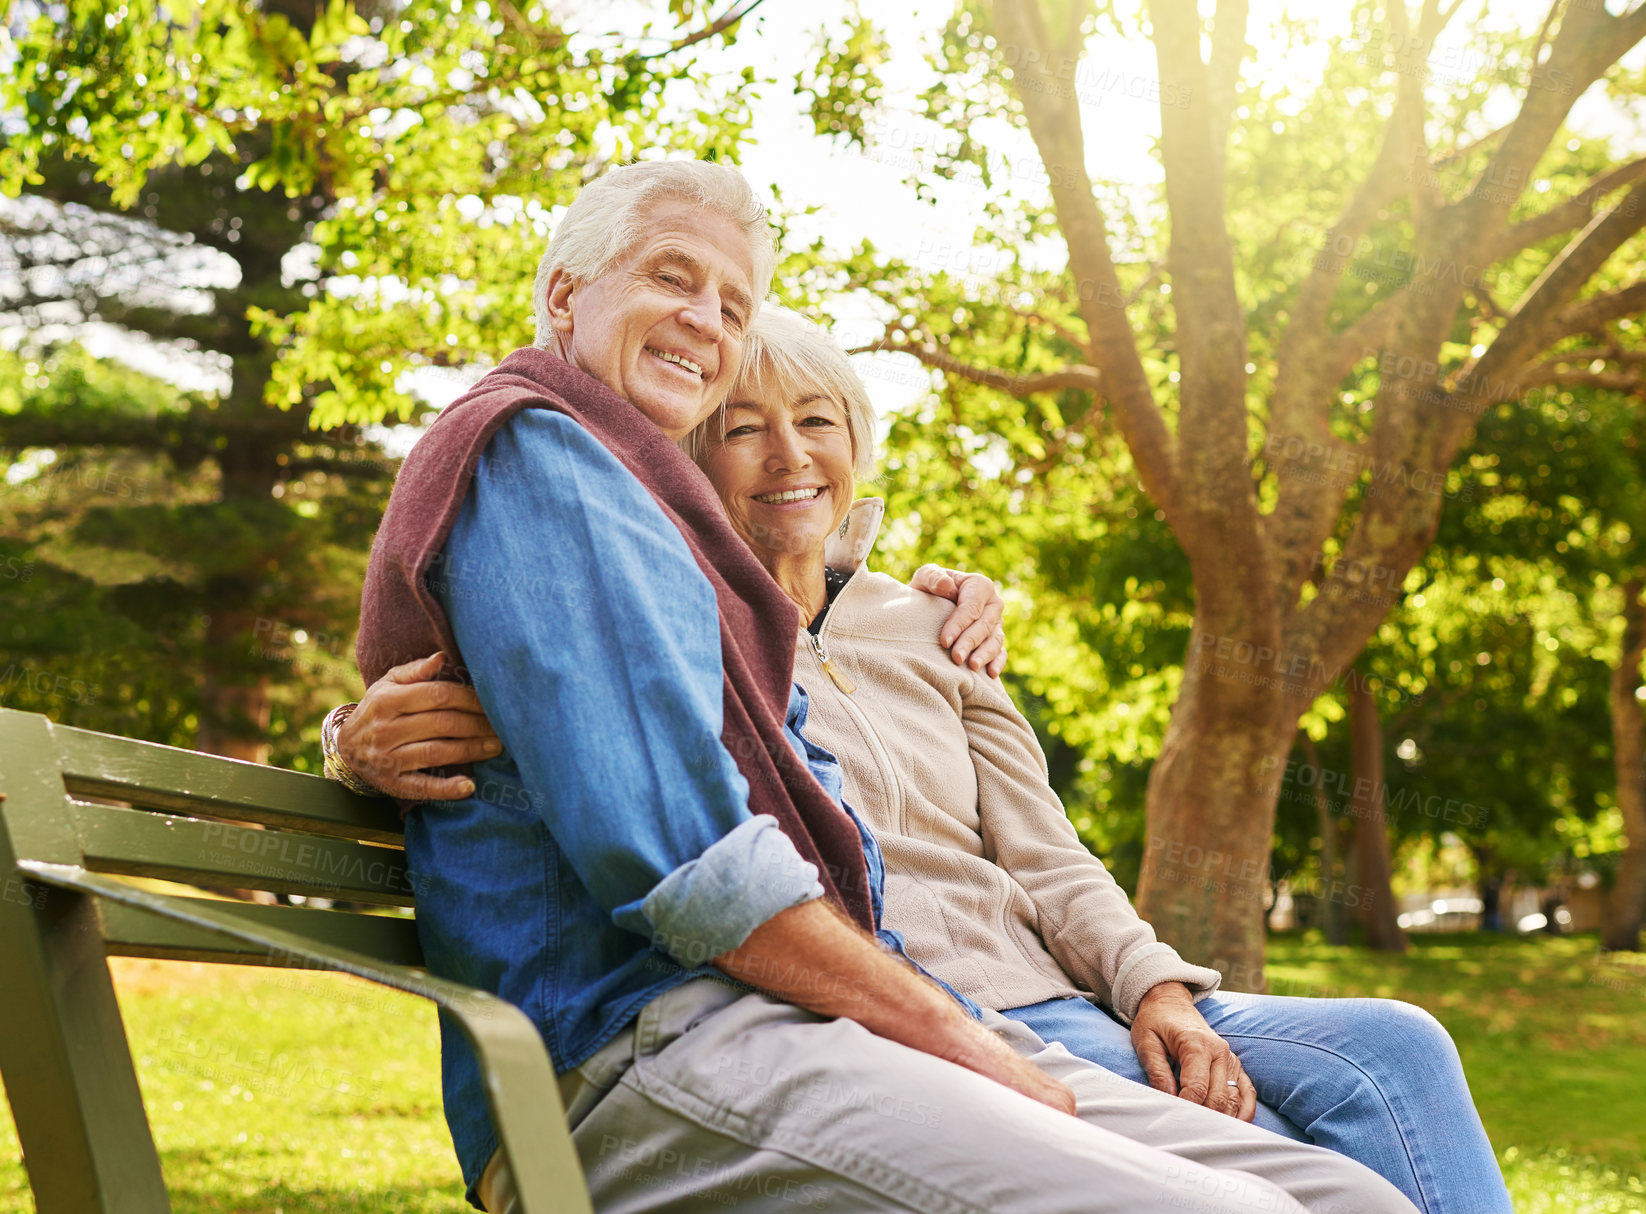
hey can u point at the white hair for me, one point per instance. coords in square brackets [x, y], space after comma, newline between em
[784, 351]
[608, 217]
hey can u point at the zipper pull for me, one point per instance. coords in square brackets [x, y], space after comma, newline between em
[837, 675]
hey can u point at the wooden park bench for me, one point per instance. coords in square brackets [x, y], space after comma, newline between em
[81, 810]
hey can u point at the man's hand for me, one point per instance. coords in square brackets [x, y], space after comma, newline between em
[407, 722]
[1169, 1028]
[981, 1051]
[972, 634]
[811, 956]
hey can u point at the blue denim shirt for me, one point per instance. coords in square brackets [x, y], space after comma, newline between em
[608, 853]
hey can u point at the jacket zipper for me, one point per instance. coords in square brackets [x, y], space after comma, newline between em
[836, 675]
[883, 760]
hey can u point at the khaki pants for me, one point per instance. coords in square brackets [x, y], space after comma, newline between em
[716, 1097]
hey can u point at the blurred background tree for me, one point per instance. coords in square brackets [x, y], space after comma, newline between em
[284, 195]
[1295, 336]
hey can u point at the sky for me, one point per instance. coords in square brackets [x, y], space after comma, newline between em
[864, 196]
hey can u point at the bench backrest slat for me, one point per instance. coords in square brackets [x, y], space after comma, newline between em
[132, 933]
[151, 776]
[136, 843]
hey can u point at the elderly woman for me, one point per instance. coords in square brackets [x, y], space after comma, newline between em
[987, 882]
[985, 878]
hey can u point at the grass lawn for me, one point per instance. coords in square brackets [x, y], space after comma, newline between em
[1553, 1040]
[297, 1093]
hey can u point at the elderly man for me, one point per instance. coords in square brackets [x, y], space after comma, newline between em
[654, 864]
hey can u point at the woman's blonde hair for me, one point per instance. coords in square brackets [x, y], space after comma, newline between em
[784, 351]
[608, 217]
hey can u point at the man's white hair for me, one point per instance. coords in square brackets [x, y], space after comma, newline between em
[786, 353]
[608, 217]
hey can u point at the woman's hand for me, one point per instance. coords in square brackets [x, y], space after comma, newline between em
[408, 722]
[1169, 1028]
[972, 634]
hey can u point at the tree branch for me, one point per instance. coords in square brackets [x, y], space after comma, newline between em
[1052, 111]
[725, 21]
[1077, 340]
[1211, 326]
[1574, 212]
[1592, 314]
[1589, 355]
[1547, 374]
[1223, 76]
[1086, 378]
[1463, 149]
[1543, 31]
[1311, 361]
[1369, 332]
[1588, 42]
[1540, 319]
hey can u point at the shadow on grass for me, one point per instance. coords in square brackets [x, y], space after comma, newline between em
[246, 1181]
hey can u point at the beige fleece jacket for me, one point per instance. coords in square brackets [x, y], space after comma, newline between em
[986, 879]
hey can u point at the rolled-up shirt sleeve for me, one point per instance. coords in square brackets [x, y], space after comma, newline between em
[593, 640]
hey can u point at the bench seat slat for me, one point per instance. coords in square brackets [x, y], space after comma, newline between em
[135, 843]
[129, 932]
[152, 776]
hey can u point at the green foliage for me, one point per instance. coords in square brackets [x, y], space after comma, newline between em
[438, 136]
[1037, 488]
[364, 191]
[117, 554]
[845, 87]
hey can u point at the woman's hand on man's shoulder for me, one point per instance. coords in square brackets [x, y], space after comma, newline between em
[972, 634]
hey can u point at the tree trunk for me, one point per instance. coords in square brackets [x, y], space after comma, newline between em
[1489, 882]
[234, 684]
[234, 700]
[1375, 896]
[1627, 903]
[1331, 886]
[234, 676]
[1211, 808]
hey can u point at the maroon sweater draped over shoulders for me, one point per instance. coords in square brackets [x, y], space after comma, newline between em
[401, 620]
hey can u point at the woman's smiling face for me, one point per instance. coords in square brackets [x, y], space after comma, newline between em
[781, 461]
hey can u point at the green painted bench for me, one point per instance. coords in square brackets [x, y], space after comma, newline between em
[81, 810]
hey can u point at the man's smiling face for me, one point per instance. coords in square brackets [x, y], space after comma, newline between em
[664, 326]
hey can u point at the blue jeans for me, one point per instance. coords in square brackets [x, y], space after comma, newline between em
[1374, 1079]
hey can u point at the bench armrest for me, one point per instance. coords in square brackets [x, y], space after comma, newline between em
[520, 1084]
